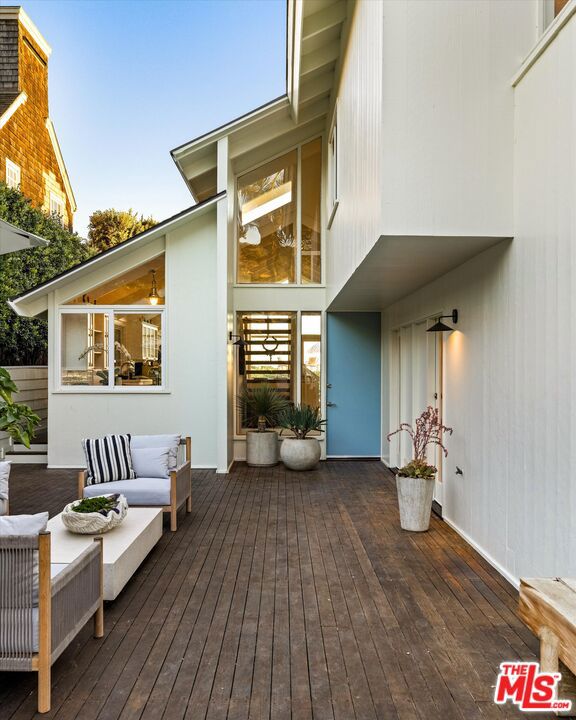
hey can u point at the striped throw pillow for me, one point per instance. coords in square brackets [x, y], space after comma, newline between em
[108, 459]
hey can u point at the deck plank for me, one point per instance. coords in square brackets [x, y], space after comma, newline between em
[289, 596]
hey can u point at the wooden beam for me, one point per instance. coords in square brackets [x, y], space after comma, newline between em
[321, 58]
[323, 20]
[316, 87]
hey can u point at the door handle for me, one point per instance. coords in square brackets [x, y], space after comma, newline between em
[330, 404]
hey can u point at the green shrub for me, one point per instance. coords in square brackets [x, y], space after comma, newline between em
[23, 341]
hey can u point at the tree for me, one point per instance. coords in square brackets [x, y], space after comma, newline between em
[110, 227]
[23, 341]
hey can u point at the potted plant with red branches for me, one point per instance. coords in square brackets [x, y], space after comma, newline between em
[415, 481]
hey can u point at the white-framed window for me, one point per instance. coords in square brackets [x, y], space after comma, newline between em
[333, 200]
[57, 205]
[282, 350]
[279, 223]
[116, 349]
[12, 174]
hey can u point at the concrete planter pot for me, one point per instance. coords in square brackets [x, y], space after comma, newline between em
[300, 454]
[262, 448]
[415, 502]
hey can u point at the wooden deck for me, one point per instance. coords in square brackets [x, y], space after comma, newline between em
[287, 595]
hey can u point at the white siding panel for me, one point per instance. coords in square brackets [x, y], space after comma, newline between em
[356, 224]
[190, 406]
[447, 137]
[509, 388]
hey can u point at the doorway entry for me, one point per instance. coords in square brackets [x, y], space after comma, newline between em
[353, 390]
[415, 383]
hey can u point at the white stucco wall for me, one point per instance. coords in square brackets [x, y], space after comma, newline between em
[425, 121]
[509, 389]
[189, 405]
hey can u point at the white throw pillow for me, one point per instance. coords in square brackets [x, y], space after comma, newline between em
[158, 441]
[23, 524]
[4, 476]
[151, 462]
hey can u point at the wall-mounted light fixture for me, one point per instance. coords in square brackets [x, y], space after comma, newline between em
[241, 345]
[439, 326]
[153, 296]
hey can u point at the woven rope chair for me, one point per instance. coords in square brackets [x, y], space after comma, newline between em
[41, 615]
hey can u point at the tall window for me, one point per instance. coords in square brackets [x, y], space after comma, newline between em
[273, 356]
[111, 335]
[311, 155]
[333, 169]
[310, 358]
[12, 174]
[279, 227]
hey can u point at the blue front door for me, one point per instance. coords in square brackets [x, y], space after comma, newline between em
[353, 385]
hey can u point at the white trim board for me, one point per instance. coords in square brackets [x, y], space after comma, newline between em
[11, 109]
[61, 164]
[15, 12]
[512, 579]
[545, 40]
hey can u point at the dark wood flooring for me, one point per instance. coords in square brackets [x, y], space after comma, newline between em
[287, 595]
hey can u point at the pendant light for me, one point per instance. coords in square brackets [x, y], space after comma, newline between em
[153, 296]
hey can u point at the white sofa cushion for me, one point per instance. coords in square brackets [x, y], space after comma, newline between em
[151, 462]
[23, 524]
[146, 492]
[150, 441]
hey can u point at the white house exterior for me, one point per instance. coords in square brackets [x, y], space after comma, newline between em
[421, 161]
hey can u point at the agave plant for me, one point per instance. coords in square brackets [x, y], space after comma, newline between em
[261, 406]
[301, 420]
[17, 419]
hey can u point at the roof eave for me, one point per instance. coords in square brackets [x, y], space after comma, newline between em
[26, 304]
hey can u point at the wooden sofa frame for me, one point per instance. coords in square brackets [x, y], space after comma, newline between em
[180, 486]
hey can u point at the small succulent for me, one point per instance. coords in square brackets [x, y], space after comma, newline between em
[418, 469]
[102, 504]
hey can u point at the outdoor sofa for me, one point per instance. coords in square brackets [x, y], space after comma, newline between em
[153, 486]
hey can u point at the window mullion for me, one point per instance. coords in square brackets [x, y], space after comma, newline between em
[298, 369]
[299, 217]
[111, 349]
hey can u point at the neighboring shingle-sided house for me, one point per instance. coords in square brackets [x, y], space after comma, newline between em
[30, 157]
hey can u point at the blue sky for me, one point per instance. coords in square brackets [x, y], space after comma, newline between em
[132, 79]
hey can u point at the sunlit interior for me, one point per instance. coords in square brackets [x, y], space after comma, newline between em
[133, 287]
[269, 235]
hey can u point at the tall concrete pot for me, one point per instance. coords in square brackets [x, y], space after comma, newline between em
[262, 448]
[415, 502]
[300, 454]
